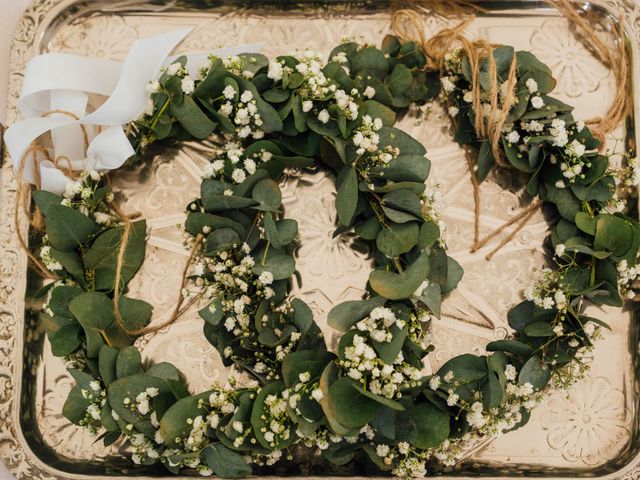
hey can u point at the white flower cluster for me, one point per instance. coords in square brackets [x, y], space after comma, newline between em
[238, 65]
[304, 387]
[98, 398]
[221, 402]
[408, 461]
[239, 291]
[315, 85]
[378, 324]
[141, 404]
[275, 418]
[143, 448]
[366, 138]
[321, 439]
[187, 84]
[626, 278]
[45, 255]
[243, 114]
[548, 291]
[362, 363]
[346, 102]
[80, 195]
[229, 165]
[432, 205]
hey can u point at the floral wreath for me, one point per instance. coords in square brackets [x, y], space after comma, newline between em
[369, 401]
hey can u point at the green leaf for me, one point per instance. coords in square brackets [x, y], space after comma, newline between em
[492, 392]
[107, 359]
[257, 415]
[94, 312]
[280, 233]
[400, 80]
[369, 229]
[346, 314]
[164, 370]
[196, 221]
[586, 223]
[466, 368]
[391, 136]
[377, 110]
[429, 234]
[432, 298]
[129, 362]
[352, 409]
[534, 372]
[267, 194]
[511, 346]
[135, 314]
[212, 317]
[398, 238]
[216, 201]
[327, 379]
[71, 262]
[67, 228]
[174, 422]
[61, 296]
[398, 286]
[44, 200]
[521, 315]
[370, 59]
[405, 168]
[66, 340]
[613, 234]
[212, 85]
[75, 406]
[454, 275]
[129, 388]
[347, 196]
[485, 160]
[221, 239]
[226, 463]
[388, 351]
[102, 256]
[423, 426]
[191, 117]
[384, 401]
[538, 329]
[404, 200]
[278, 262]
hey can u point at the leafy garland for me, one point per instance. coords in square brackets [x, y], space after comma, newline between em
[368, 402]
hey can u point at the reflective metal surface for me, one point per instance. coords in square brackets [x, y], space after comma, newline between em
[592, 429]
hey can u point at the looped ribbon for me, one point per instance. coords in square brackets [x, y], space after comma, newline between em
[55, 96]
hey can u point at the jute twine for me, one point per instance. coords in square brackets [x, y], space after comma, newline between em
[177, 311]
[407, 22]
[35, 218]
[615, 57]
[22, 206]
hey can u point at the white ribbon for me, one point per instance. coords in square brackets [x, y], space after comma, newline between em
[60, 81]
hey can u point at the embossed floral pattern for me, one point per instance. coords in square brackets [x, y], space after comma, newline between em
[324, 255]
[589, 423]
[576, 70]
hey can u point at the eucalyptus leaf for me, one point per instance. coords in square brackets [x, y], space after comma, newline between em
[68, 229]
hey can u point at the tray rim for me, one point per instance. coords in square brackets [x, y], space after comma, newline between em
[15, 450]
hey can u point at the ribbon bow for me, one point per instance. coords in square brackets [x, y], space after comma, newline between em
[55, 95]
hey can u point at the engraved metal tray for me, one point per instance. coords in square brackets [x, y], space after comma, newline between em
[591, 430]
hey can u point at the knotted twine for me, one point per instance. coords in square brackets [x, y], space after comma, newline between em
[407, 23]
[35, 219]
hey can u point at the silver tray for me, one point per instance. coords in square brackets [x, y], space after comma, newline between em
[591, 430]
